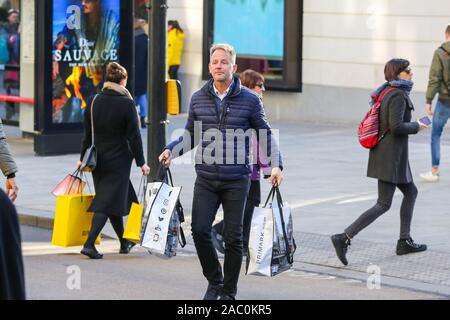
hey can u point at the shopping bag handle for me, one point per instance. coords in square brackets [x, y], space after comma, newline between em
[76, 175]
[276, 191]
[143, 183]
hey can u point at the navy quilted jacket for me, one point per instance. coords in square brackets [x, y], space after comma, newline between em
[228, 157]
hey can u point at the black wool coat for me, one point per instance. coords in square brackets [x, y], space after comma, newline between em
[389, 161]
[118, 141]
[12, 279]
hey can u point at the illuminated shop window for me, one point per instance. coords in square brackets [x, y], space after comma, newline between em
[265, 33]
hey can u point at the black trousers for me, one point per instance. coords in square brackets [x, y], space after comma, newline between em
[385, 195]
[208, 196]
[253, 200]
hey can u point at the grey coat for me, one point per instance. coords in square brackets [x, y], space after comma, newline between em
[388, 161]
[7, 163]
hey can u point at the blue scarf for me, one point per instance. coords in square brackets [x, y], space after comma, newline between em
[405, 85]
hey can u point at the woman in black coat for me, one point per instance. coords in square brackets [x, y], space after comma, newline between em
[388, 161]
[118, 140]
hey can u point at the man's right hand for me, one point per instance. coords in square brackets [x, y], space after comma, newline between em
[166, 158]
[428, 109]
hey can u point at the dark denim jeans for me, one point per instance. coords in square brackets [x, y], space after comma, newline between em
[208, 196]
[440, 117]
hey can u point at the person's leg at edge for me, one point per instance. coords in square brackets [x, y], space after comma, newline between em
[234, 197]
[440, 117]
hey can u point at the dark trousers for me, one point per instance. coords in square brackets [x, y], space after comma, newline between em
[173, 72]
[253, 200]
[208, 196]
[385, 194]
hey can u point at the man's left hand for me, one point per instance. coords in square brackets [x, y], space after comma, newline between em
[276, 177]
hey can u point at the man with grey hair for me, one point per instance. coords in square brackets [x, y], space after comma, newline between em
[220, 106]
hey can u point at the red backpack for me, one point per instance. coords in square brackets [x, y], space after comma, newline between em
[368, 131]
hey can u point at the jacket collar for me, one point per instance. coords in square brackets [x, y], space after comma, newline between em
[208, 88]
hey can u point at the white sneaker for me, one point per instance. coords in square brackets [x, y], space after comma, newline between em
[430, 176]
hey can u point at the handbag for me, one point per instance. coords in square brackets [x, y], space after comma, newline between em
[89, 161]
[71, 184]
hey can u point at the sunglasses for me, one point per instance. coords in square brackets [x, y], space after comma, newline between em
[407, 70]
[261, 85]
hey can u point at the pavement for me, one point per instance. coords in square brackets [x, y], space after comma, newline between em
[327, 189]
[65, 274]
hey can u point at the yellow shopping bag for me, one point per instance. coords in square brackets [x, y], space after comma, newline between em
[72, 221]
[133, 228]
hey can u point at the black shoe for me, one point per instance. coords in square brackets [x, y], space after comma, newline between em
[227, 297]
[217, 241]
[213, 292]
[405, 246]
[341, 243]
[126, 247]
[91, 253]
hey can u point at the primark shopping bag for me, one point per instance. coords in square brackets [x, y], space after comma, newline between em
[72, 220]
[271, 244]
[161, 223]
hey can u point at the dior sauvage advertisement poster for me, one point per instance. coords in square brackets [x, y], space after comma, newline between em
[85, 38]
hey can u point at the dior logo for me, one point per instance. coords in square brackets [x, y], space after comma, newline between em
[156, 238]
[158, 228]
[160, 219]
[166, 202]
[163, 211]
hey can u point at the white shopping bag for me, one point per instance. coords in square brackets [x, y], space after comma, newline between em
[271, 244]
[161, 201]
[260, 242]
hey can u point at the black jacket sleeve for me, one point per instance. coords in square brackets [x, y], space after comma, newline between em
[397, 106]
[134, 134]
[87, 139]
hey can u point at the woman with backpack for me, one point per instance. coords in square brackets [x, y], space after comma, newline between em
[388, 160]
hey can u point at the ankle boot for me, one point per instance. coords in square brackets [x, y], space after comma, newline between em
[341, 243]
[405, 246]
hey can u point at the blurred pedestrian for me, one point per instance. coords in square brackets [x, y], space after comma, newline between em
[175, 38]
[222, 177]
[8, 166]
[388, 161]
[255, 82]
[12, 280]
[118, 140]
[438, 83]
[141, 69]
